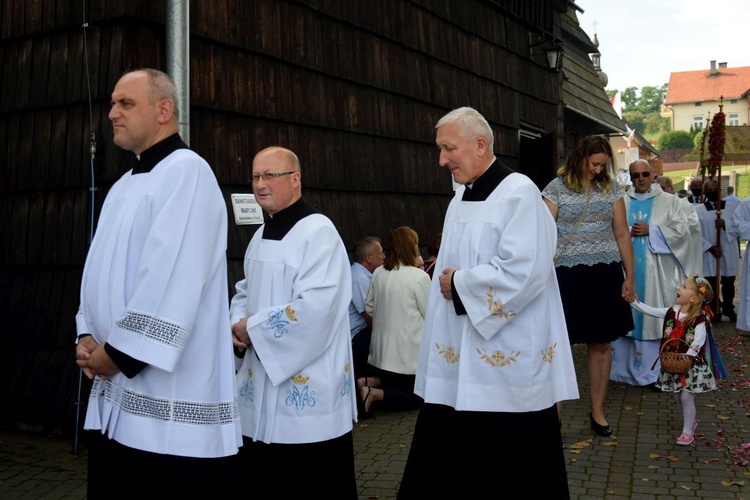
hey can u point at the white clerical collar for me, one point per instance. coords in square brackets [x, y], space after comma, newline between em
[642, 196]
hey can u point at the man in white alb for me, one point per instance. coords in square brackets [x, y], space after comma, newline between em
[154, 313]
[290, 326]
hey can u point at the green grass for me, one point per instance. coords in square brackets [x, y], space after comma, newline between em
[742, 179]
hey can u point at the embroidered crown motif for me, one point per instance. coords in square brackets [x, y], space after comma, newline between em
[299, 379]
[290, 313]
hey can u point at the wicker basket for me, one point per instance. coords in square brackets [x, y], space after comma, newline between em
[674, 362]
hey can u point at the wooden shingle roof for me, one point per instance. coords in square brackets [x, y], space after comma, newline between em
[701, 86]
[582, 91]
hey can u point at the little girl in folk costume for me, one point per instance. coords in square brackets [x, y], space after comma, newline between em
[688, 319]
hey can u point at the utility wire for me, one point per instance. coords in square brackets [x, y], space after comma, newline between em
[92, 193]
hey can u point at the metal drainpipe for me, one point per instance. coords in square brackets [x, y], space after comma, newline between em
[178, 59]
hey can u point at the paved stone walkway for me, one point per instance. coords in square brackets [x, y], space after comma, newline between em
[641, 459]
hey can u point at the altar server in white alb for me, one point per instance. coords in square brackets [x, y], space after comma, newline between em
[722, 246]
[495, 357]
[154, 314]
[741, 220]
[290, 324]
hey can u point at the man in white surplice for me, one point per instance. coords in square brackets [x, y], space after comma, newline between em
[495, 356]
[724, 250]
[741, 221]
[667, 249]
[154, 314]
[290, 326]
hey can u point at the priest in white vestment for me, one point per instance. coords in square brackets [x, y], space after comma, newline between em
[667, 248]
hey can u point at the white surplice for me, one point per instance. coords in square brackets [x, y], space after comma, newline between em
[730, 256]
[510, 352]
[296, 383]
[155, 288]
[741, 221]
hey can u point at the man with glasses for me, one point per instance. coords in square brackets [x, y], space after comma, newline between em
[290, 329]
[667, 246]
[719, 242]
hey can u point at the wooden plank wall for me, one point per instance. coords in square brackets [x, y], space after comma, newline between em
[354, 87]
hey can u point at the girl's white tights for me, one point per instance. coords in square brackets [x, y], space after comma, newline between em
[686, 402]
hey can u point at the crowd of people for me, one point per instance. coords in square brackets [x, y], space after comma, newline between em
[192, 390]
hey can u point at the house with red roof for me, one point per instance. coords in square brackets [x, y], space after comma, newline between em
[693, 97]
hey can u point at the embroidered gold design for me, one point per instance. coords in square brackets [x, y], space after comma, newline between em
[497, 308]
[498, 358]
[448, 353]
[299, 379]
[249, 373]
[290, 313]
[347, 368]
[549, 353]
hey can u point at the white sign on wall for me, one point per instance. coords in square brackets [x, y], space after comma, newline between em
[246, 209]
[631, 154]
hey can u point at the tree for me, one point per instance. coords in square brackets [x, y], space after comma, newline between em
[629, 98]
[675, 139]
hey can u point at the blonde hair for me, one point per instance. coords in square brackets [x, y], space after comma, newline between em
[706, 294]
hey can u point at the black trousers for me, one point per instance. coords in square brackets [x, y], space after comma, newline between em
[726, 285]
[117, 471]
[469, 454]
[297, 471]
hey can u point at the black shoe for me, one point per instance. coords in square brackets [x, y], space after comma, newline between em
[362, 413]
[731, 315]
[602, 430]
[653, 387]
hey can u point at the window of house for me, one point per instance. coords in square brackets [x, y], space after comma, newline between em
[698, 122]
[733, 101]
[698, 103]
[733, 119]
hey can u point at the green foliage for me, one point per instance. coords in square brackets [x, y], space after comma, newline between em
[742, 186]
[697, 139]
[675, 139]
[647, 100]
[641, 110]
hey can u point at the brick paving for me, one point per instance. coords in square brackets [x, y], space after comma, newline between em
[640, 460]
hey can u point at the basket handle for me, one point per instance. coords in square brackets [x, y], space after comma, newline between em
[664, 344]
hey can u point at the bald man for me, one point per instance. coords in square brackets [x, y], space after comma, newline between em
[290, 329]
[153, 318]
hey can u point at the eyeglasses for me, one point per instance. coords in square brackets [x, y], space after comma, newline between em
[636, 175]
[269, 175]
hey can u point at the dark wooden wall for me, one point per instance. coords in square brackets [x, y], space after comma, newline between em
[354, 87]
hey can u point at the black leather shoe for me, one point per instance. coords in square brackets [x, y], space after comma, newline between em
[732, 316]
[601, 430]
